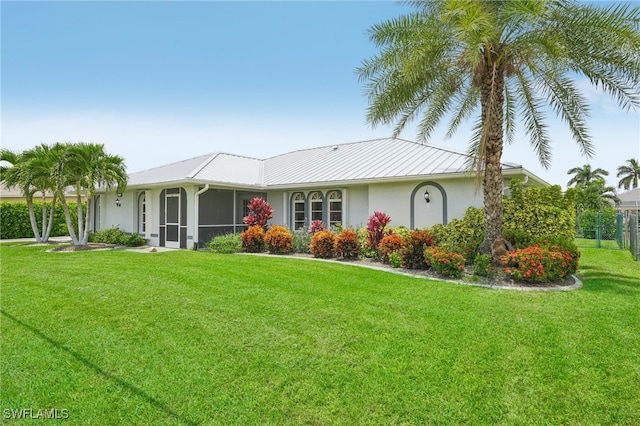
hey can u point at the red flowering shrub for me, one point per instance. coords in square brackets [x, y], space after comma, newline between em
[376, 229]
[278, 240]
[253, 239]
[389, 244]
[259, 213]
[445, 262]
[322, 244]
[316, 225]
[541, 264]
[347, 244]
[413, 245]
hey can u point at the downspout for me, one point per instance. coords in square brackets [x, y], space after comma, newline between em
[196, 239]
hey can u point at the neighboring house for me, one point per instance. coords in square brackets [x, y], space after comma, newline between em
[14, 195]
[630, 202]
[188, 202]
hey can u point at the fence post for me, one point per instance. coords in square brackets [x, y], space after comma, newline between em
[598, 229]
[619, 229]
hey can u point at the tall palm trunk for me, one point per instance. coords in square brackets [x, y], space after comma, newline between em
[85, 236]
[32, 218]
[67, 218]
[492, 101]
[47, 233]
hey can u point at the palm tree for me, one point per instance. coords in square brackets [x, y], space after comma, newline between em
[508, 58]
[86, 166]
[630, 174]
[595, 195]
[584, 175]
[30, 171]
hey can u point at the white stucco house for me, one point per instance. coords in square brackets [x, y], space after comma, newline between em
[188, 202]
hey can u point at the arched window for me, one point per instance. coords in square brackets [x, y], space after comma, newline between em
[142, 213]
[299, 213]
[316, 206]
[335, 207]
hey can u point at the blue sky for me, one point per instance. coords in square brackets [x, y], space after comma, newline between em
[158, 82]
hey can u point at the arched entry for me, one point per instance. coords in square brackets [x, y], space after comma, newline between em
[443, 193]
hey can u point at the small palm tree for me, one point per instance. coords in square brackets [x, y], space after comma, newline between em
[496, 60]
[630, 174]
[584, 175]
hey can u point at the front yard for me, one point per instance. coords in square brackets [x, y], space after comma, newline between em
[195, 338]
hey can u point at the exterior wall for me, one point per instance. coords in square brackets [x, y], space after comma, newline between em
[357, 206]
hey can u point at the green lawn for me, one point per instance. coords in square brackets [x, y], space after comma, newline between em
[194, 338]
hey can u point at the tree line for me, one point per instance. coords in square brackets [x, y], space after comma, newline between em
[54, 170]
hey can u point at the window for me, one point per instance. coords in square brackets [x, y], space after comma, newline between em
[299, 216]
[335, 207]
[315, 201]
[142, 213]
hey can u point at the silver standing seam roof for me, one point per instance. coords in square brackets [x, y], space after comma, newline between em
[371, 160]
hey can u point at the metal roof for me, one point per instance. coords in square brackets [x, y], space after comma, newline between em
[377, 159]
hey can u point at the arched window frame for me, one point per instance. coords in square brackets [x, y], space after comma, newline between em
[298, 210]
[334, 207]
[316, 206]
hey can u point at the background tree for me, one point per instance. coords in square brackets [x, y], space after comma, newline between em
[596, 195]
[584, 175]
[630, 174]
[496, 60]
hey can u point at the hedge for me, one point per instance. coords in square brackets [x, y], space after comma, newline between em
[15, 223]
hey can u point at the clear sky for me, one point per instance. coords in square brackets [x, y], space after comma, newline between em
[158, 82]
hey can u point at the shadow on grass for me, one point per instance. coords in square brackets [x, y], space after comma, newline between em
[599, 279]
[126, 385]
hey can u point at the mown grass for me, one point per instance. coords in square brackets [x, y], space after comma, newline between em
[194, 338]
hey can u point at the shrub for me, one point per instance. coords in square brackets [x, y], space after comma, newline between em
[462, 235]
[445, 262]
[301, 241]
[347, 245]
[316, 226]
[228, 243]
[116, 236]
[322, 244]
[14, 218]
[395, 259]
[376, 229]
[412, 251]
[365, 250]
[389, 244]
[259, 213]
[541, 264]
[482, 266]
[253, 239]
[278, 240]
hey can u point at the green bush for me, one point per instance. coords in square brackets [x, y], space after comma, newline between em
[14, 218]
[482, 266]
[464, 235]
[227, 244]
[301, 239]
[116, 236]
